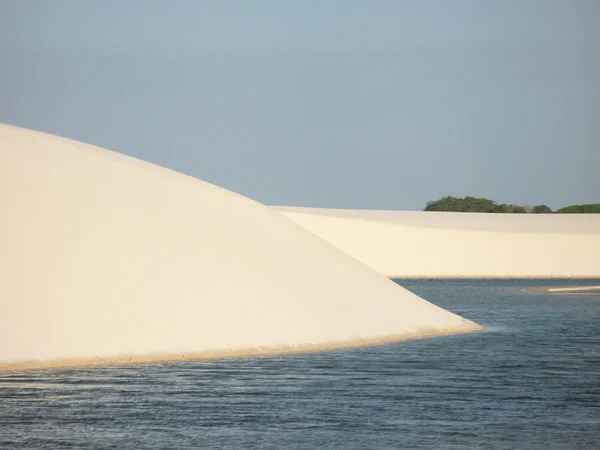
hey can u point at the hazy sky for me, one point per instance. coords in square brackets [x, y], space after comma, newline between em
[350, 104]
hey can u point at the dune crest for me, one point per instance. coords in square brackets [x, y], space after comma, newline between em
[107, 259]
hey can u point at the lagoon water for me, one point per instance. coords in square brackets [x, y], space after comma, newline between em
[530, 380]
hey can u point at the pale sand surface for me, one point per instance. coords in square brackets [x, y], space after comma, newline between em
[417, 244]
[107, 259]
[564, 290]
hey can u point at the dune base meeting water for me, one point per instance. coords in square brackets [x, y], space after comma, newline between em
[530, 380]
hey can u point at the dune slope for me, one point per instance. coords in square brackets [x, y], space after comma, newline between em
[108, 259]
[444, 244]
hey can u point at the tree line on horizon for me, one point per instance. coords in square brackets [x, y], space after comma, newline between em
[484, 205]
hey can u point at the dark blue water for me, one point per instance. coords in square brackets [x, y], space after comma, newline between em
[531, 380]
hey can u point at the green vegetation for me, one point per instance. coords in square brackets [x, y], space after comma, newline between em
[541, 209]
[484, 205]
[592, 208]
[472, 204]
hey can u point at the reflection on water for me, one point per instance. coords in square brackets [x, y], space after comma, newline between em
[530, 380]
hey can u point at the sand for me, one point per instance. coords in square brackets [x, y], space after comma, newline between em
[417, 244]
[228, 352]
[564, 290]
[106, 259]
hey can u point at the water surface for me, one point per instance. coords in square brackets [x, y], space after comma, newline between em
[530, 380]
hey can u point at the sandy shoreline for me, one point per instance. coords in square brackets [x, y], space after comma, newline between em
[227, 353]
[563, 290]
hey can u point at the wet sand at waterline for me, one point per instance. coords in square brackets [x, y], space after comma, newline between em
[229, 353]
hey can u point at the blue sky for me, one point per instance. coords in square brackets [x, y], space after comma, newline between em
[349, 104]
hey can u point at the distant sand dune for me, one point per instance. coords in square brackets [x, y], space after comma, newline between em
[463, 245]
[106, 259]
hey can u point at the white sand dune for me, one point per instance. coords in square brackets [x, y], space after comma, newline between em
[108, 259]
[438, 244]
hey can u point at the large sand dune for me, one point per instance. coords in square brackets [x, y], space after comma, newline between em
[106, 259]
[438, 244]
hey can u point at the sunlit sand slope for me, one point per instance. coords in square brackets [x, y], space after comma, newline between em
[108, 259]
[439, 244]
